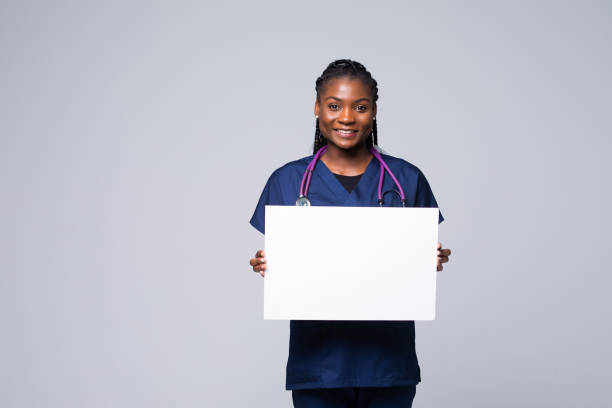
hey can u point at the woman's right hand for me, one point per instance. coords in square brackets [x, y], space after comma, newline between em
[259, 262]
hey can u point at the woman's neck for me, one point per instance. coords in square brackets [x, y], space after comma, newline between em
[347, 162]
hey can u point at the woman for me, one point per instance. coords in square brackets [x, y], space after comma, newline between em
[348, 363]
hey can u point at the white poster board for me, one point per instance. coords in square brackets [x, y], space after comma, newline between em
[350, 263]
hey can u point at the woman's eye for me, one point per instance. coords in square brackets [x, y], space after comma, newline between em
[333, 106]
[361, 108]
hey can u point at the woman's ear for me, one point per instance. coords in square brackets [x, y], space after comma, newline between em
[316, 108]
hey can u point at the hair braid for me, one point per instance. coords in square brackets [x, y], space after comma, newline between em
[320, 140]
[374, 133]
[352, 69]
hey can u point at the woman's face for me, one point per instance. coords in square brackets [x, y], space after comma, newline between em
[346, 110]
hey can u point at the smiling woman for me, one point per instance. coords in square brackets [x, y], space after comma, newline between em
[345, 86]
[348, 363]
[345, 112]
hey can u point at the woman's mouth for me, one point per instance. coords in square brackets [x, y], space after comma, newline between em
[346, 133]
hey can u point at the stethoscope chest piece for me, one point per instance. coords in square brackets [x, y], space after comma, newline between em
[302, 202]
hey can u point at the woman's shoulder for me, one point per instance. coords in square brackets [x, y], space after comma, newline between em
[397, 164]
[291, 168]
[296, 164]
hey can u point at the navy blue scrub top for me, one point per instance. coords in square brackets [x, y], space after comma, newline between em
[333, 354]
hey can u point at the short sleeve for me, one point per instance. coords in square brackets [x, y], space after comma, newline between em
[424, 195]
[271, 195]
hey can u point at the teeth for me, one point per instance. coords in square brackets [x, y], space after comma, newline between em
[345, 131]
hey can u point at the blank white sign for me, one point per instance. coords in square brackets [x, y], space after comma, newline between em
[350, 263]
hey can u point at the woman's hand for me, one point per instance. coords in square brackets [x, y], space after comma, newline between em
[259, 262]
[443, 255]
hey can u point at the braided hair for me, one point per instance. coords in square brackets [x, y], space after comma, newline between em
[352, 69]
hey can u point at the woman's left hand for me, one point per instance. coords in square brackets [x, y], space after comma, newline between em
[443, 255]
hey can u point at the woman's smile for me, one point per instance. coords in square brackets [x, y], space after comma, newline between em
[346, 133]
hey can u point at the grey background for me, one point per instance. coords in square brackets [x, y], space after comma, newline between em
[136, 139]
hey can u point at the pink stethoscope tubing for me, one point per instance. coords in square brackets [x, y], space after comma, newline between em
[303, 199]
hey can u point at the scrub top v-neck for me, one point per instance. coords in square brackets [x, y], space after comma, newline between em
[334, 354]
[348, 182]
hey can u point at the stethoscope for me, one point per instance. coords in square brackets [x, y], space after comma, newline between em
[303, 199]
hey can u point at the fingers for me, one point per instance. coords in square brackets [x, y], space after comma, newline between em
[443, 252]
[259, 262]
[260, 256]
[261, 268]
[443, 255]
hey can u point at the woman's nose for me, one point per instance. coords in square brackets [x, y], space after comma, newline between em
[346, 116]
